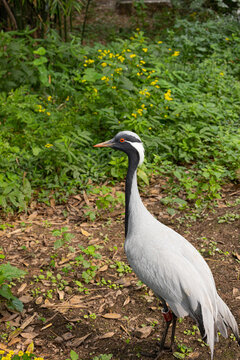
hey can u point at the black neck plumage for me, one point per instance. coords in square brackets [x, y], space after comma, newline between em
[133, 160]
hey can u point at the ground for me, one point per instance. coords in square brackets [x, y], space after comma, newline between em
[76, 299]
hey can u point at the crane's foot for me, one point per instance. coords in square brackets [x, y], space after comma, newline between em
[157, 354]
[162, 352]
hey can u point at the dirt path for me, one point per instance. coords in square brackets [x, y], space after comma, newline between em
[87, 299]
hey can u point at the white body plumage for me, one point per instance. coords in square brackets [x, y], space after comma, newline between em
[165, 261]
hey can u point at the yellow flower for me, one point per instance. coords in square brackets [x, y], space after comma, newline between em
[113, 87]
[221, 73]
[150, 128]
[104, 64]
[227, 39]
[67, 98]
[142, 62]
[132, 56]
[2, 352]
[157, 86]
[99, 50]
[131, 38]
[170, 49]
[48, 113]
[48, 145]
[89, 61]
[138, 74]
[20, 353]
[118, 70]
[105, 78]
[95, 90]
[144, 92]
[159, 42]
[49, 98]
[121, 58]
[137, 29]
[134, 115]
[144, 49]
[167, 95]
[154, 82]
[176, 53]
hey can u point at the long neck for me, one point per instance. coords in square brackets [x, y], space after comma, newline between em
[131, 186]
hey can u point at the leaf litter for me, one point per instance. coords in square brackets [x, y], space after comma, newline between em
[110, 312]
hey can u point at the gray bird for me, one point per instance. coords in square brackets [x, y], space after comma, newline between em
[166, 262]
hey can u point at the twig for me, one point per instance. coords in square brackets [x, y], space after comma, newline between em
[9, 11]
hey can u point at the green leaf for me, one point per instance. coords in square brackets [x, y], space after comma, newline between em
[40, 61]
[179, 355]
[143, 176]
[36, 150]
[91, 75]
[74, 355]
[17, 304]
[127, 84]
[40, 51]
[6, 292]
[10, 272]
[58, 243]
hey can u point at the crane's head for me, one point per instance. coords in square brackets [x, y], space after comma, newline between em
[126, 141]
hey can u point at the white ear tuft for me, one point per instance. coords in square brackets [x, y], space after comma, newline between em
[140, 149]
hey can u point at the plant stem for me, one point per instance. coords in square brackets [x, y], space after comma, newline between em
[85, 20]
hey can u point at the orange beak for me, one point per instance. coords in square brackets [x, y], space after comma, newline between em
[108, 143]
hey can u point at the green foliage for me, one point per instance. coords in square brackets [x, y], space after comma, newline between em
[63, 237]
[7, 273]
[73, 355]
[103, 357]
[180, 93]
[19, 356]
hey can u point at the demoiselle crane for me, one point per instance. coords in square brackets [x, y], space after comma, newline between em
[166, 262]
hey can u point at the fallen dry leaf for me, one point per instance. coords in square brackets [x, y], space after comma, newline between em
[85, 232]
[14, 341]
[33, 216]
[103, 268]
[143, 332]
[78, 341]
[26, 299]
[27, 321]
[22, 287]
[30, 335]
[127, 301]
[3, 347]
[14, 333]
[107, 335]
[111, 316]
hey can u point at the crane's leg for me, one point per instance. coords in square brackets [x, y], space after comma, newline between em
[168, 317]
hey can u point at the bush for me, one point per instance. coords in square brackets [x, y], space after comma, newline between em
[180, 93]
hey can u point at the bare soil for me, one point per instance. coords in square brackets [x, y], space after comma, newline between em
[117, 315]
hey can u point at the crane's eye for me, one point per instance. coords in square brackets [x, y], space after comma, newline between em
[122, 140]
